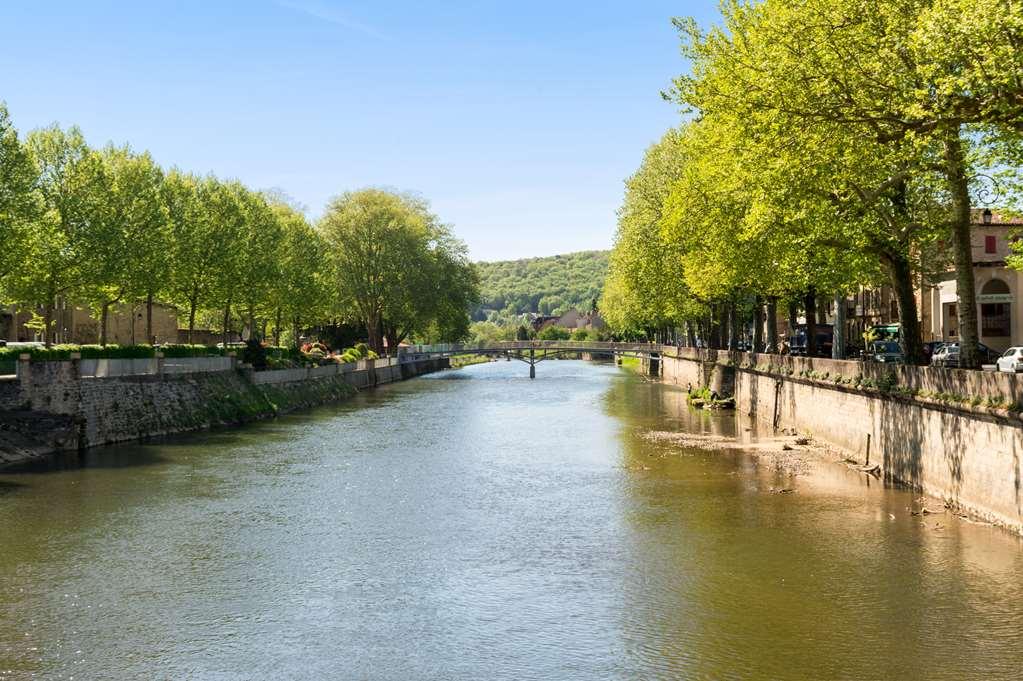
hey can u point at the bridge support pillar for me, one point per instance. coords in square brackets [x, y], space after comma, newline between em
[532, 363]
[532, 371]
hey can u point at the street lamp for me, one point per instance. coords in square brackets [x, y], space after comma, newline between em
[987, 216]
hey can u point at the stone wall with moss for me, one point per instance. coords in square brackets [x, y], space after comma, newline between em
[99, 411]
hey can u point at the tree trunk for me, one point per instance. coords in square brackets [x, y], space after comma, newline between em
[772, 324]
[838, 343]
[48, 322]
[793, 320]
[193, 302]
[150, 338]
[810, 303]
[103, 324]
[959, 190]
[758, 324]
[252, 322]
[277, 328]
[733, 325]
[227, 322]
[901, 274]
[690, 335]
[373, 335]
[722, 310]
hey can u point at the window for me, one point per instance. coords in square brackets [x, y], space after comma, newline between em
[995, 317]
[990, 245]
[995, 320]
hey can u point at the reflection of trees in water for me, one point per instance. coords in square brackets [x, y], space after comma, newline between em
[730, 579]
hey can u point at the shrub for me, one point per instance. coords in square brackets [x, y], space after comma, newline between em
[254, 354]
[553, 333]
[185, 350]
[362, 349]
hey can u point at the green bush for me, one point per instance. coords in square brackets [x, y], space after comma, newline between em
[59, 352]
[185, 350]
[553, 333]
[580, 335]
[362, 349]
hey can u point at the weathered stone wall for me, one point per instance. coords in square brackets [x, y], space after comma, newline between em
[963, 452]
[97, 411]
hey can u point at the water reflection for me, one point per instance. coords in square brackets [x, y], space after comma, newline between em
[476, 524]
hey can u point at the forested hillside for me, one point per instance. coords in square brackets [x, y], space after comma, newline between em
[546, 285]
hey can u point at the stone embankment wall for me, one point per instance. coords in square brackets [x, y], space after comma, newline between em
[51, 407]
[957, 435]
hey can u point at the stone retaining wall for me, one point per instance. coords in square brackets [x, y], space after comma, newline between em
[125, 408]
[943, 431]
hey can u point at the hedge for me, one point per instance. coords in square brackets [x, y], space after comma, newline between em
[58, 352]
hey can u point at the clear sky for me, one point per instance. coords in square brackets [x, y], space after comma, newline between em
[517, 120]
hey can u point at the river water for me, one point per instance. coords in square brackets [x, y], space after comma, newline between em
[474, 524]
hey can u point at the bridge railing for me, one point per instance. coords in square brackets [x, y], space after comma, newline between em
[503, 346]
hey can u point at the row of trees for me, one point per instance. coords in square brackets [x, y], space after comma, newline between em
[829, 144]
[107, 227]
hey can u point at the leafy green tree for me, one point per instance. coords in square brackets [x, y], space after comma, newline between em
[553, 333]
[300, 293]
[63, 244]
[20, 203]
[395, 266]
[897, 86]
[132, 260]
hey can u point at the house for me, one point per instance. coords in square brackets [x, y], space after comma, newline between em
[998, 288]
[126, 324]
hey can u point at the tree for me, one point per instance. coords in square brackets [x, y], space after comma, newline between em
[63, 244]
[258, 268]
[394, 266]
[19, 197]
[898, 82]
[132, 261]
[300, 294]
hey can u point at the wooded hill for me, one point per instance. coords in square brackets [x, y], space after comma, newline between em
[548, 285]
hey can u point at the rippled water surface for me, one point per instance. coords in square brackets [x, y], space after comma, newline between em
[475, 524]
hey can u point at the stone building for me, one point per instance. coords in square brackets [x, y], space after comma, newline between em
[126, 324]
[998, 288]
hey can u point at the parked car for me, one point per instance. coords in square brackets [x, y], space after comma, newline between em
[1011, 360]
[948, 355]
[825, 337]
[931, 347]
[888, 352]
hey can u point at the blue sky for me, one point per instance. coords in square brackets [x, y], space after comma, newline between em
[517, 120]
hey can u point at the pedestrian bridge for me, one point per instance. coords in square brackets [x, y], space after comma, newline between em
[531, 352]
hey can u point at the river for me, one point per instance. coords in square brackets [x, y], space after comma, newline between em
[474, 524]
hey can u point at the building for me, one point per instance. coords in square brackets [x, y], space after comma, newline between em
[998, 288]
[126, 324]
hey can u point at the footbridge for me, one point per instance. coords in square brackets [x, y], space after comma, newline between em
[533, 352]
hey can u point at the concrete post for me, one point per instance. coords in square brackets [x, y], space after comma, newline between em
[76, 365]
[159, 364]
[234, 359]
[24, 370]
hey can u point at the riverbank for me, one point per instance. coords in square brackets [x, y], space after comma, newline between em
[954, 435]
[51, 408]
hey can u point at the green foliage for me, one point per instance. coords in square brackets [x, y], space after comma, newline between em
[580, 335]
[394, 267]
[186, 350]
[551, 285]
[552, 332]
